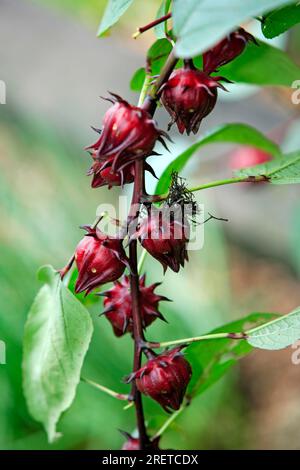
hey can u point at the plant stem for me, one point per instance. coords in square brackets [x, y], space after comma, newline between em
[241, 179]
[108, 391]
[194, 339]
[146, 84]
[164, 76]
[142, 260]
[138, 337]
[148, 26]
[149, 104]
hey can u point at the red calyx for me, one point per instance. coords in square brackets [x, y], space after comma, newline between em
[129, 133]
[190, 95]
[103, 173]
[99, 259]
[165, 378]
[165, 238]
[132, 443]
[118, 305]
[226, 50]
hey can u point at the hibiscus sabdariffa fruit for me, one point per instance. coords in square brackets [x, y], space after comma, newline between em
[129, 133]
[164, 234]
[226, 50]
[189, 96]
[164, 378]
[103, 175]
[100, 259]
[118, 305]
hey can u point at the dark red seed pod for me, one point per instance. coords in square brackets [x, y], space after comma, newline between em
[165, 238]
[118, 305]
[99, 259]
[129, 133]
[165, 378]
[226, 50]
[189, 96]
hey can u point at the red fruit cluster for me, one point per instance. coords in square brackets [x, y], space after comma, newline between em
[118, 305]
[245, 157]
[165, 378]
[99, 259]
[129, 133]
[165, 238]
[226, 50]
[189, 96]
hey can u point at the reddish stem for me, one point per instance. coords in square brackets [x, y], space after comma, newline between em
[154, 23]
[138, 338]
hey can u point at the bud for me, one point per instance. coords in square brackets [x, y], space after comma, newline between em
[129, 133]
[165, 234]
[99, 259]
[244, 157]
[118, 305]
[165, 378]
[189, 95]
[226, 50]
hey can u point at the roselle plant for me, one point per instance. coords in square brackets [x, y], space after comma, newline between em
[201, 46]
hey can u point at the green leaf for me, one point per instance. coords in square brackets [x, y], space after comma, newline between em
[233, 133]
[56, 338]
[156, 56]
[211, 359]
[160, 29]
[280, 20]
[199, 24]
[262, 65]
[283, 170]
[277, 334]
[114, 10]
[137, 80]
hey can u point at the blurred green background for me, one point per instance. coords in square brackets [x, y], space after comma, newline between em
[55, 69]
